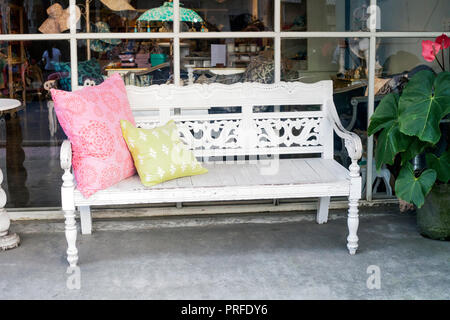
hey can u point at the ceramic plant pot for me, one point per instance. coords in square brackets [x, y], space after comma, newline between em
[433, 219]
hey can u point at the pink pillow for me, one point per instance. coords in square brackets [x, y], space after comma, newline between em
[90, 117]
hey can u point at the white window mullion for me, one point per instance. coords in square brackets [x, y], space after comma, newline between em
[227, 34]
[371, 99]
[73, 46]
[277, 40]
[176, 42]
[219, 35]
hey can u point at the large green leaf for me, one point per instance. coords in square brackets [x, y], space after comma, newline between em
[424, 102]
[385, 114]
[391, 141]
[415, 148]
[412, 189]
[441, 165]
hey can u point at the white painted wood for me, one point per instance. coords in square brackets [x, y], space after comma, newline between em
[204, 208]
[353, 219]
[237, 136]
[68, 205]
[7, 240]
[354, 148]
[244, 181]
[322, 210]
[222, 95]
[4, 218]
[85, 219]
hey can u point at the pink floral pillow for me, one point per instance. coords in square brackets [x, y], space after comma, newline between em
[90, 117]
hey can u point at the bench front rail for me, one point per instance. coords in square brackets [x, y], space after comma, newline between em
[242, 150]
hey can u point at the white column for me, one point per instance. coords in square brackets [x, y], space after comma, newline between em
[7, 240]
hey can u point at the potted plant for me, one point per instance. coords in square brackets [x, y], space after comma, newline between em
[409, 126]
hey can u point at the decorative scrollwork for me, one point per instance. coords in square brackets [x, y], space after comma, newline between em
[262, 133]
[215, 134]
[288, 132]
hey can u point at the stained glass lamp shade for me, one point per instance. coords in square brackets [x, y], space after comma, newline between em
[165, 13]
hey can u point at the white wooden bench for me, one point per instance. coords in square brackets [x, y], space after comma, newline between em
[262, 136]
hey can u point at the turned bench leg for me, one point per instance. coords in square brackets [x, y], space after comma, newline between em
[352, 223]
[353, 199]
[68, 204]
[71, 237]
[322, 210]
[86, 219]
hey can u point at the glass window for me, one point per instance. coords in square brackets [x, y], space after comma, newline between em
[315, 59]
[30, 135]
[340, 60]
[34, 16]
[399, 55]
[140, 62]
[228, 15]
[125, 16]
[415, 15]
[324, 15]
[227, 60]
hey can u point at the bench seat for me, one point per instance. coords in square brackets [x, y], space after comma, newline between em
[296, 178]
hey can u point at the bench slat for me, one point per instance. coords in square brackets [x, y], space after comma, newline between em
[305, 172]
[338, 188]
[321, 170]
[313, 173]
[184, 182]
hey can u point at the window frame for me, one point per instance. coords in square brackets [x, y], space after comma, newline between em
[277, 35]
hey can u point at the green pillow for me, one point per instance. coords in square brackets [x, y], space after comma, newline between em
[159, 154]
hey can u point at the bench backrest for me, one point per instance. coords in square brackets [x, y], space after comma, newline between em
[246, 132]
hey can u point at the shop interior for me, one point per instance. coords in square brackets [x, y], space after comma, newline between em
[28, 69]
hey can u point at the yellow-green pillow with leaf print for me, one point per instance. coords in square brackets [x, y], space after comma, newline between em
[159, 154]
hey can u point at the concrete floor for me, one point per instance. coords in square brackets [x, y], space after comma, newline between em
[265, 256]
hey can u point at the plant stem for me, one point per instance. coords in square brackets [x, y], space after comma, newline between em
[443, 59]
[440, 63]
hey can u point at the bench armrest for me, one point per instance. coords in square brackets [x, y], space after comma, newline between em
[65, 155]
[352, 140]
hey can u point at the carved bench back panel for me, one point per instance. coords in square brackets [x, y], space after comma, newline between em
[246, 132]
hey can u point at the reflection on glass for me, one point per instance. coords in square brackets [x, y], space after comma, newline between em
[30, 136]
[324, 15]
[34, 16]
[231, 15]
[415, 15]
[227, 60]
[343, 60]
[398, 55]
[139, 62]
[311, 60]
[121, 16]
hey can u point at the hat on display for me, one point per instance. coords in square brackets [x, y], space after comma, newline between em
[58, 19]
[103, 45]
[103, 27]
[118, 5]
